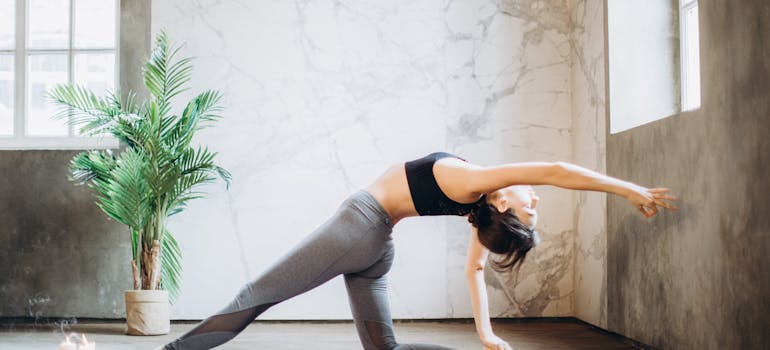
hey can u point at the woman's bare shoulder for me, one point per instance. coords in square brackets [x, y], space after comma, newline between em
[455, 178]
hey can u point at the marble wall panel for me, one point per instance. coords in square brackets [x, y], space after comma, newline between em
[588, 142]
[321, 96]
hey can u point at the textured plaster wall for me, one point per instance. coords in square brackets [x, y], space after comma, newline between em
[321, 96]
[699, 278]
[60, 255]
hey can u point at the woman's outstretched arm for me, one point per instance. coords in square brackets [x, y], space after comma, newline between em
[474, 272]
[571, 176]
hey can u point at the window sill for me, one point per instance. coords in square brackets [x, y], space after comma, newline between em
[57, 143]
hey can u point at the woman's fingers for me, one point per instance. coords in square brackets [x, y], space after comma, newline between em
[652, 209]
[661, 203]
[647, 200]
[664, 196]
[648, 210]
[659, 190]
[660, 199]
[660, 196]
[500, 345]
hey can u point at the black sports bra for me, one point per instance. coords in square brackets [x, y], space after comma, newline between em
[427, 196]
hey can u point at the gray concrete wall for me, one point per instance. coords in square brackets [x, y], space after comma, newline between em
[61, 256]
[699, 278]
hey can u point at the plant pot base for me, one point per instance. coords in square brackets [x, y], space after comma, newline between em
[147, 312]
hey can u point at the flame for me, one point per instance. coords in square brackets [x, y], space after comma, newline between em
[79, 338]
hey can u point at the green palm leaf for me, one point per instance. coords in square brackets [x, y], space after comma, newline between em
[171, 266]
[94, 165]
[125, 196]
[93, 114]
[158, 173]
[164, 77]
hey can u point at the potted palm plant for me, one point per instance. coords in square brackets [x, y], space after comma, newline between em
[154, 176]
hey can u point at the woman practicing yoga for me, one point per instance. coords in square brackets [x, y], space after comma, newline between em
[356, 241]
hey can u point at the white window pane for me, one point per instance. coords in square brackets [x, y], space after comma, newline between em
[7, 23]
[44, 72]
[49, 24]
[95, 24]
[6, 95]
[692, 66]
[96, 72]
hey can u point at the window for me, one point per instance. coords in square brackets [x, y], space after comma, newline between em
[653, 60]
[48, 42]
[690, 54]
[7, 86]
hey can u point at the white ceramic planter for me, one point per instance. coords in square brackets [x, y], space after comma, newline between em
[147, 312]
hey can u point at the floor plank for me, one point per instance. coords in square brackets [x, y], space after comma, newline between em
[528, 335]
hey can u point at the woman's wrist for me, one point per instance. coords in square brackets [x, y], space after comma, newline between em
[485, 334]
[620, 187]
[624, 188]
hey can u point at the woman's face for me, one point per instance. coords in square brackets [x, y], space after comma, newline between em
[521, 198]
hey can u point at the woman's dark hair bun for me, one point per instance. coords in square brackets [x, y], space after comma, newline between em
[476, 214]
[503, 234]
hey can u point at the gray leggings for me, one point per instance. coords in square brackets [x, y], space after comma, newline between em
[356, 243]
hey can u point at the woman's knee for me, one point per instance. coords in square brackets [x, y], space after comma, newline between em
[380, 267]
[380, 335]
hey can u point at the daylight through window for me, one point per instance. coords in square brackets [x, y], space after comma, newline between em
[690, 53]
[48, 42]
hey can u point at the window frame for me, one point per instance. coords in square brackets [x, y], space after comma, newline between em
[685, 55]
[19, 140]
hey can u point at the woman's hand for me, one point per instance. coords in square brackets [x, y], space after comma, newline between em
[493, 342]
[648, 199]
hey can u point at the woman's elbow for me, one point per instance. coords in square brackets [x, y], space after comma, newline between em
[559, 167]
[557, 172]
[471, 271]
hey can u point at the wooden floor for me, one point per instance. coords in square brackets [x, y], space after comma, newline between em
[527, 335]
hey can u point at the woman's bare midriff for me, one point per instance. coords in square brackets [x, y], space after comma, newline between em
[391, 190]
